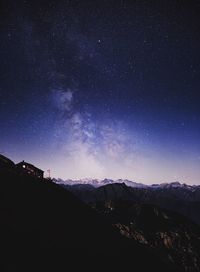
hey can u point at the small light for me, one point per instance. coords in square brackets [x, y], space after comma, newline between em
[24, 166]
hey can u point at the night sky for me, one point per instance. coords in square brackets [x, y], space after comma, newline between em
[102, 89]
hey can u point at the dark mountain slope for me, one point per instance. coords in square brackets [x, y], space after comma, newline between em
[174, 237]
[140, 215]
[184, 200]
[44, 227]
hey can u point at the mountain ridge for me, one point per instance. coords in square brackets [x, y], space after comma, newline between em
[130, 183]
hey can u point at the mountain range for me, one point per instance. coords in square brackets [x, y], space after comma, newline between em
[133, 184]
[163, 217]
[181, 198]
[99, 183]
[45, 227]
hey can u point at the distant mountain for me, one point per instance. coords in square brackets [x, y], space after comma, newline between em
[181, 198]
[46, 228]
[99, 183]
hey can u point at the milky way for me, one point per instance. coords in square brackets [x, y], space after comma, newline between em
[103, 90]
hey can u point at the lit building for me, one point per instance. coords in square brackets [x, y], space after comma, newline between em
[28, 168]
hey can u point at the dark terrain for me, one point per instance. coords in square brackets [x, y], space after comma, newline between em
[162, 219]
[180, 198]
[45, 227]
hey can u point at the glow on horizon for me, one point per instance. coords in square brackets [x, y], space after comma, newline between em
[145, 171]
[84, 147]
[145, 168]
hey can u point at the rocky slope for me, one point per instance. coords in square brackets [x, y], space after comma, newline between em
[173, 236]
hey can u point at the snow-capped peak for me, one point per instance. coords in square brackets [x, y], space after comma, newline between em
[98, 183]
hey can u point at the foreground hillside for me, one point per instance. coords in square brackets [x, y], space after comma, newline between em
[138, 214]
[175, 237]
[44, 227]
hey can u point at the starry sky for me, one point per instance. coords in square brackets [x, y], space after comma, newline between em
[102, 89]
